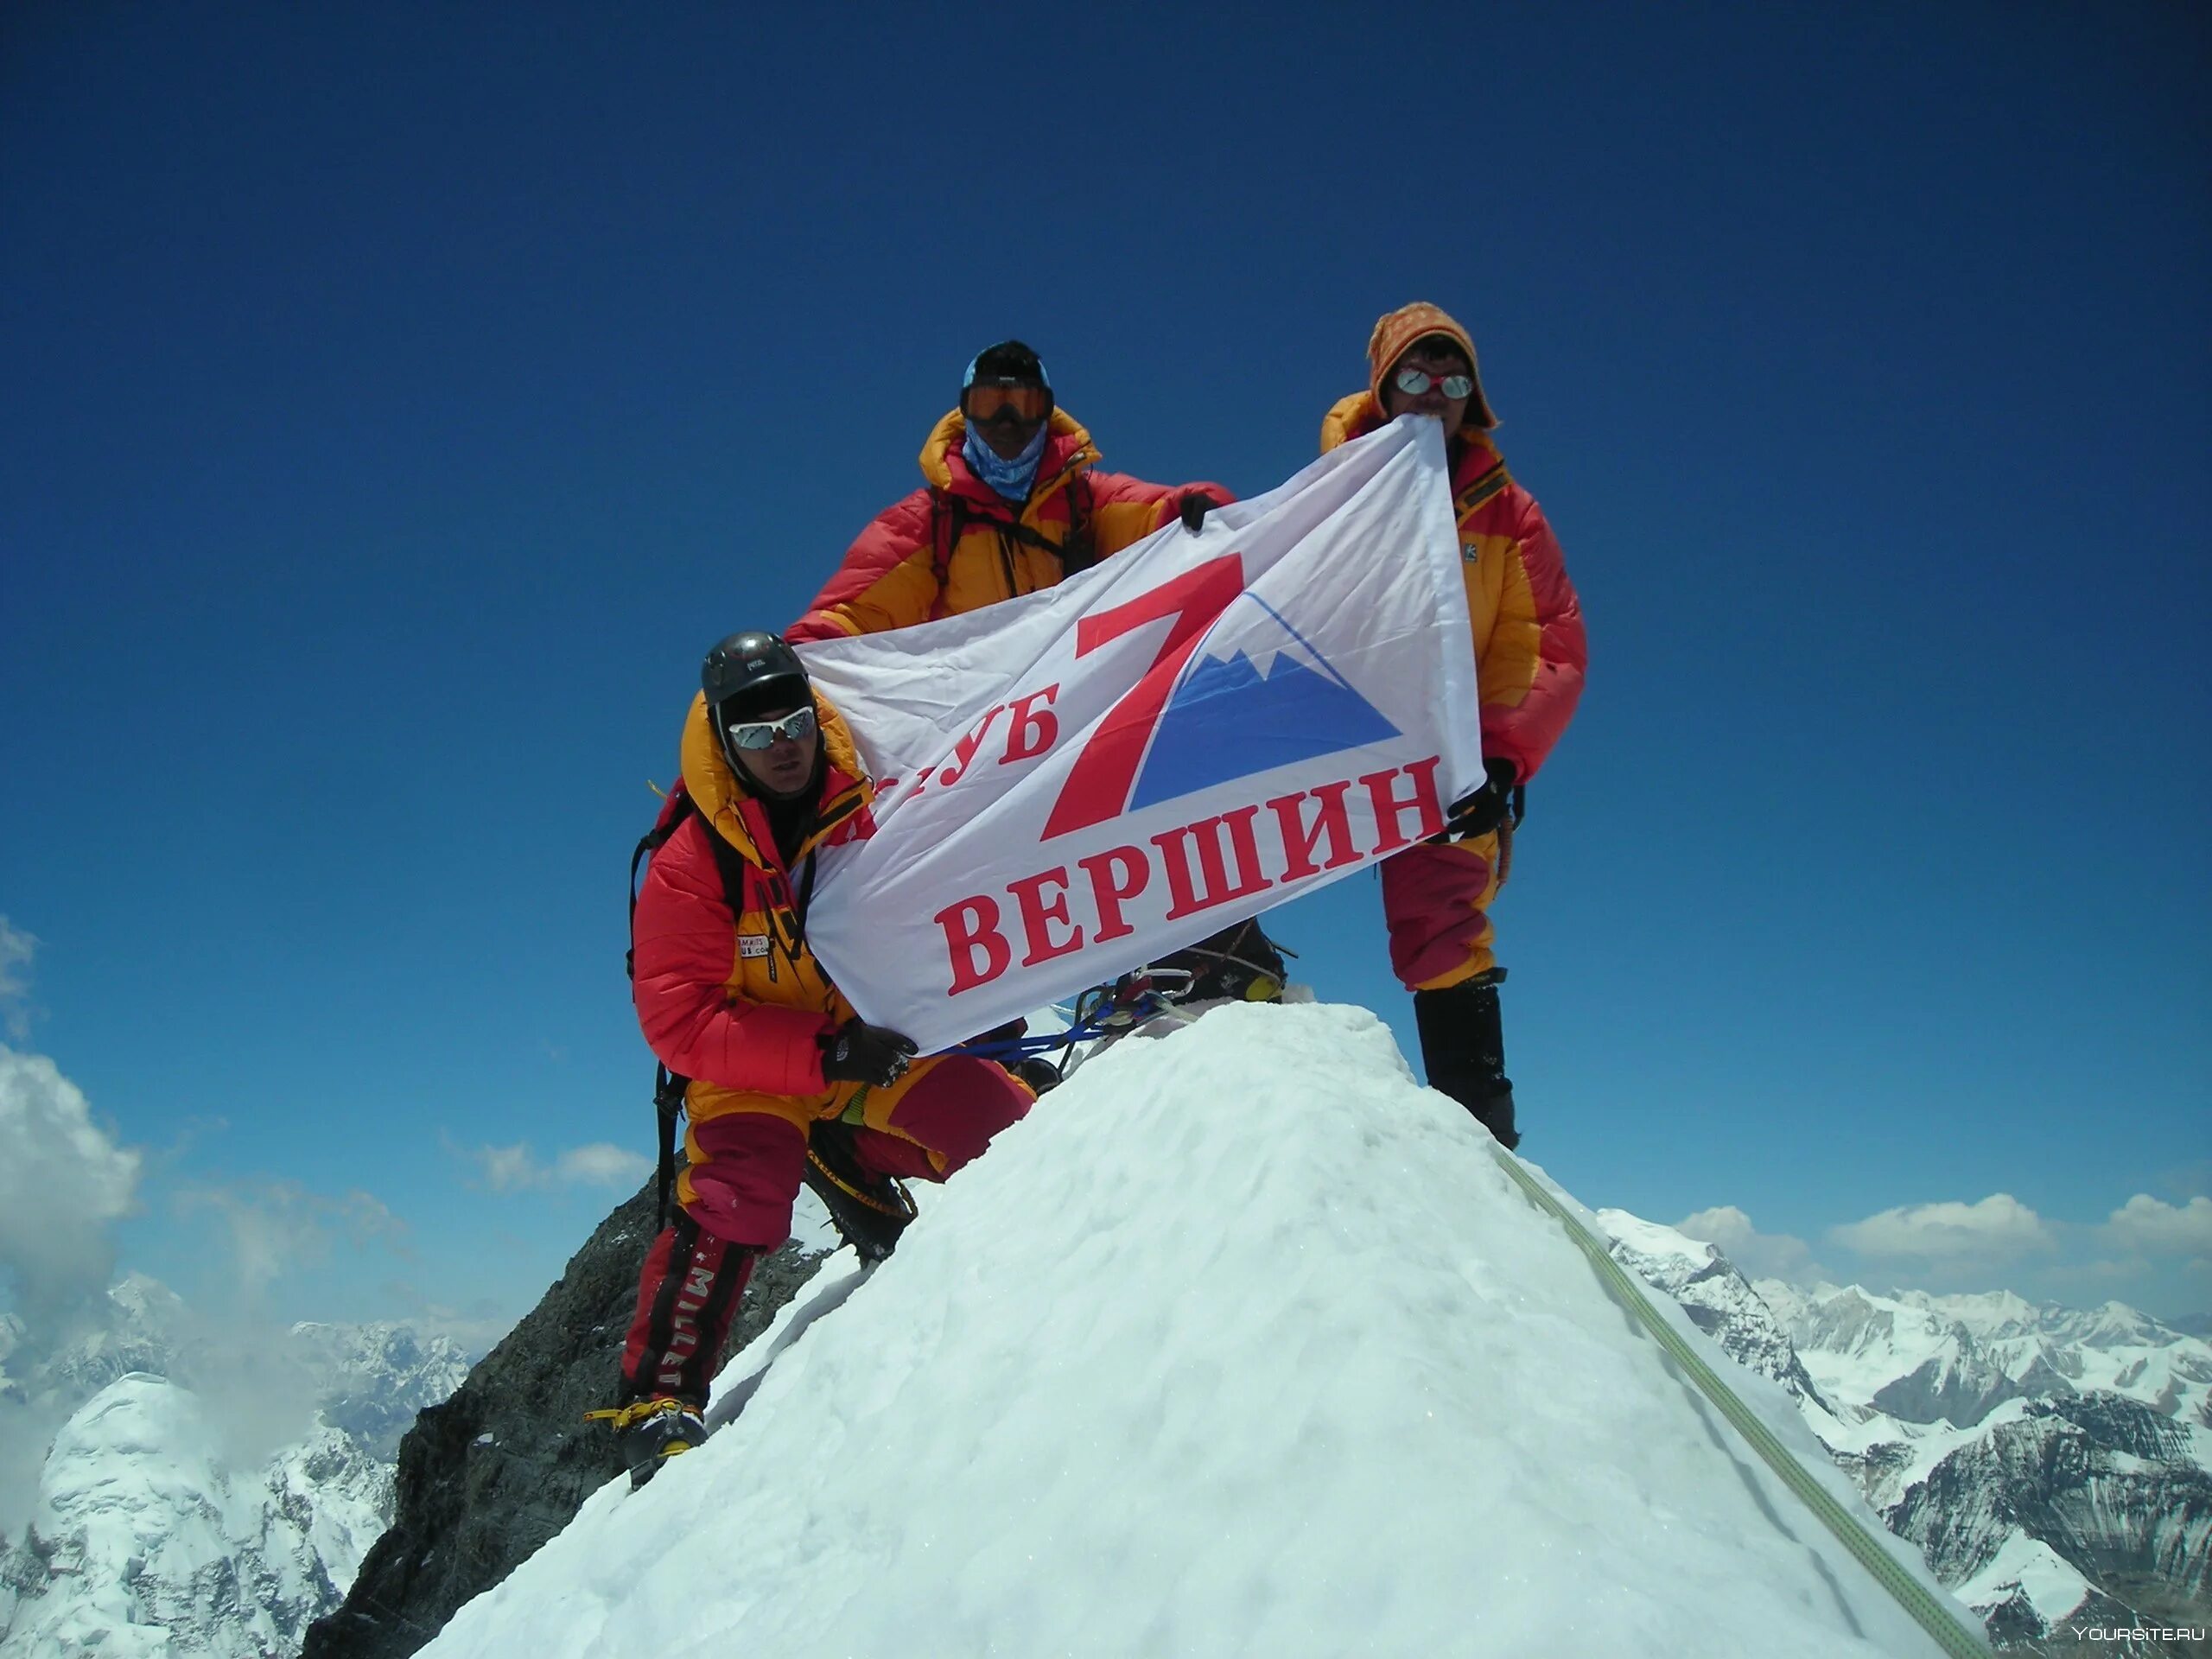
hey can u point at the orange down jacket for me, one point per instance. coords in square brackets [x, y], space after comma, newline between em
[956, 545]
[1530, 651]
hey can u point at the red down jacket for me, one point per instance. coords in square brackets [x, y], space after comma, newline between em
[956, 545]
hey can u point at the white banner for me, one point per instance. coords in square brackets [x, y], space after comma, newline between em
[1191, 732]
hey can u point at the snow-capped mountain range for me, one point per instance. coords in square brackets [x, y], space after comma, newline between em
[2053, 1465]
[166, 1521]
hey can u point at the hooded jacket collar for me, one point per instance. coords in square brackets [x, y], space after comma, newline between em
[1068, 450]
[737, 815]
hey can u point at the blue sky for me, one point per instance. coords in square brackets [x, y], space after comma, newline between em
[402, 397]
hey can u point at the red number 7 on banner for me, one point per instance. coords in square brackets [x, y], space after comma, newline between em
[1099, 783]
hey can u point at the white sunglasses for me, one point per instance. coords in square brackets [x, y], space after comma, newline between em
[797, 726]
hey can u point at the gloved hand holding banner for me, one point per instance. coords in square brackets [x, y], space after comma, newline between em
[1085, 778]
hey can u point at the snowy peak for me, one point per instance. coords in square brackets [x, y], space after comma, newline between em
[1719, 1300]
[140, 1326]
[371, 1379]
[1903, 1355]
[1241, 1342]
[1999, 1316]
[167, 1513]
[2053, 1465]
[163, 1550]
[1929, 1359]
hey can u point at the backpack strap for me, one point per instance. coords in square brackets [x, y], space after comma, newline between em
[668, 1087]
[950, 516]
[677, 807]
[1079, 551]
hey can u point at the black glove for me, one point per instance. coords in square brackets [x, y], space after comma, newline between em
[1484, 809]
[859, 1053]
[1196, 505]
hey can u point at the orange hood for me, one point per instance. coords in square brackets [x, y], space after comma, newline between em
[720, 794]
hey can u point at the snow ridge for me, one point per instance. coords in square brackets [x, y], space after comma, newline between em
[2053, 1465]
[1241, 1344]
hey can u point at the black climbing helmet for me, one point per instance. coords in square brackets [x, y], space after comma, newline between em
[751, 672]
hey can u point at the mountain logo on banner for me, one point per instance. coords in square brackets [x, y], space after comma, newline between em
[1254, 696]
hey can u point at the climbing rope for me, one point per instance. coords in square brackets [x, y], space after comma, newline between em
[1102, 1011]
[1927, 1611]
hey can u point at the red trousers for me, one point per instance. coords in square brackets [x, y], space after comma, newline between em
[1436, 900]
[744, 1155]
[735, 1195]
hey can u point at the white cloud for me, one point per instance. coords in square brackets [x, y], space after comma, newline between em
[64, 1182]
[16, 949]
[27, 1430]
[602, 1165]
[507, 1169]
[2154, 1228]
[278, 1227]
[479, 1328]
[1998, 1229]
[1757, 1255]
[516, 1168]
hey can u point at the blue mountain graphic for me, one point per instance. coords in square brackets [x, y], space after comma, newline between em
[1227, 720]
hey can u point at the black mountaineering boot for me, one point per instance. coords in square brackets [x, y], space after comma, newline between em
[1041, 1074]
[1463, 1048]
[1240, 962]
[869, 1211]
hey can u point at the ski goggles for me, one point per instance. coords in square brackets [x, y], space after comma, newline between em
[757, 735]
[1413, 382]
[1026, 398]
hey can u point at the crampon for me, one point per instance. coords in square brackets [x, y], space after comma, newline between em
[869, 1210]
[652, 1431]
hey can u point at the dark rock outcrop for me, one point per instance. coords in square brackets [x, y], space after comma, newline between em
[503, 1465]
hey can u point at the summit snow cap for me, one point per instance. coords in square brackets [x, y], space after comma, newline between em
[1272, 1356]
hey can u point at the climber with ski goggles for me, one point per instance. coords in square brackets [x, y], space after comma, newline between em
[1431, 376]
[1529, 653]
[998, 400]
